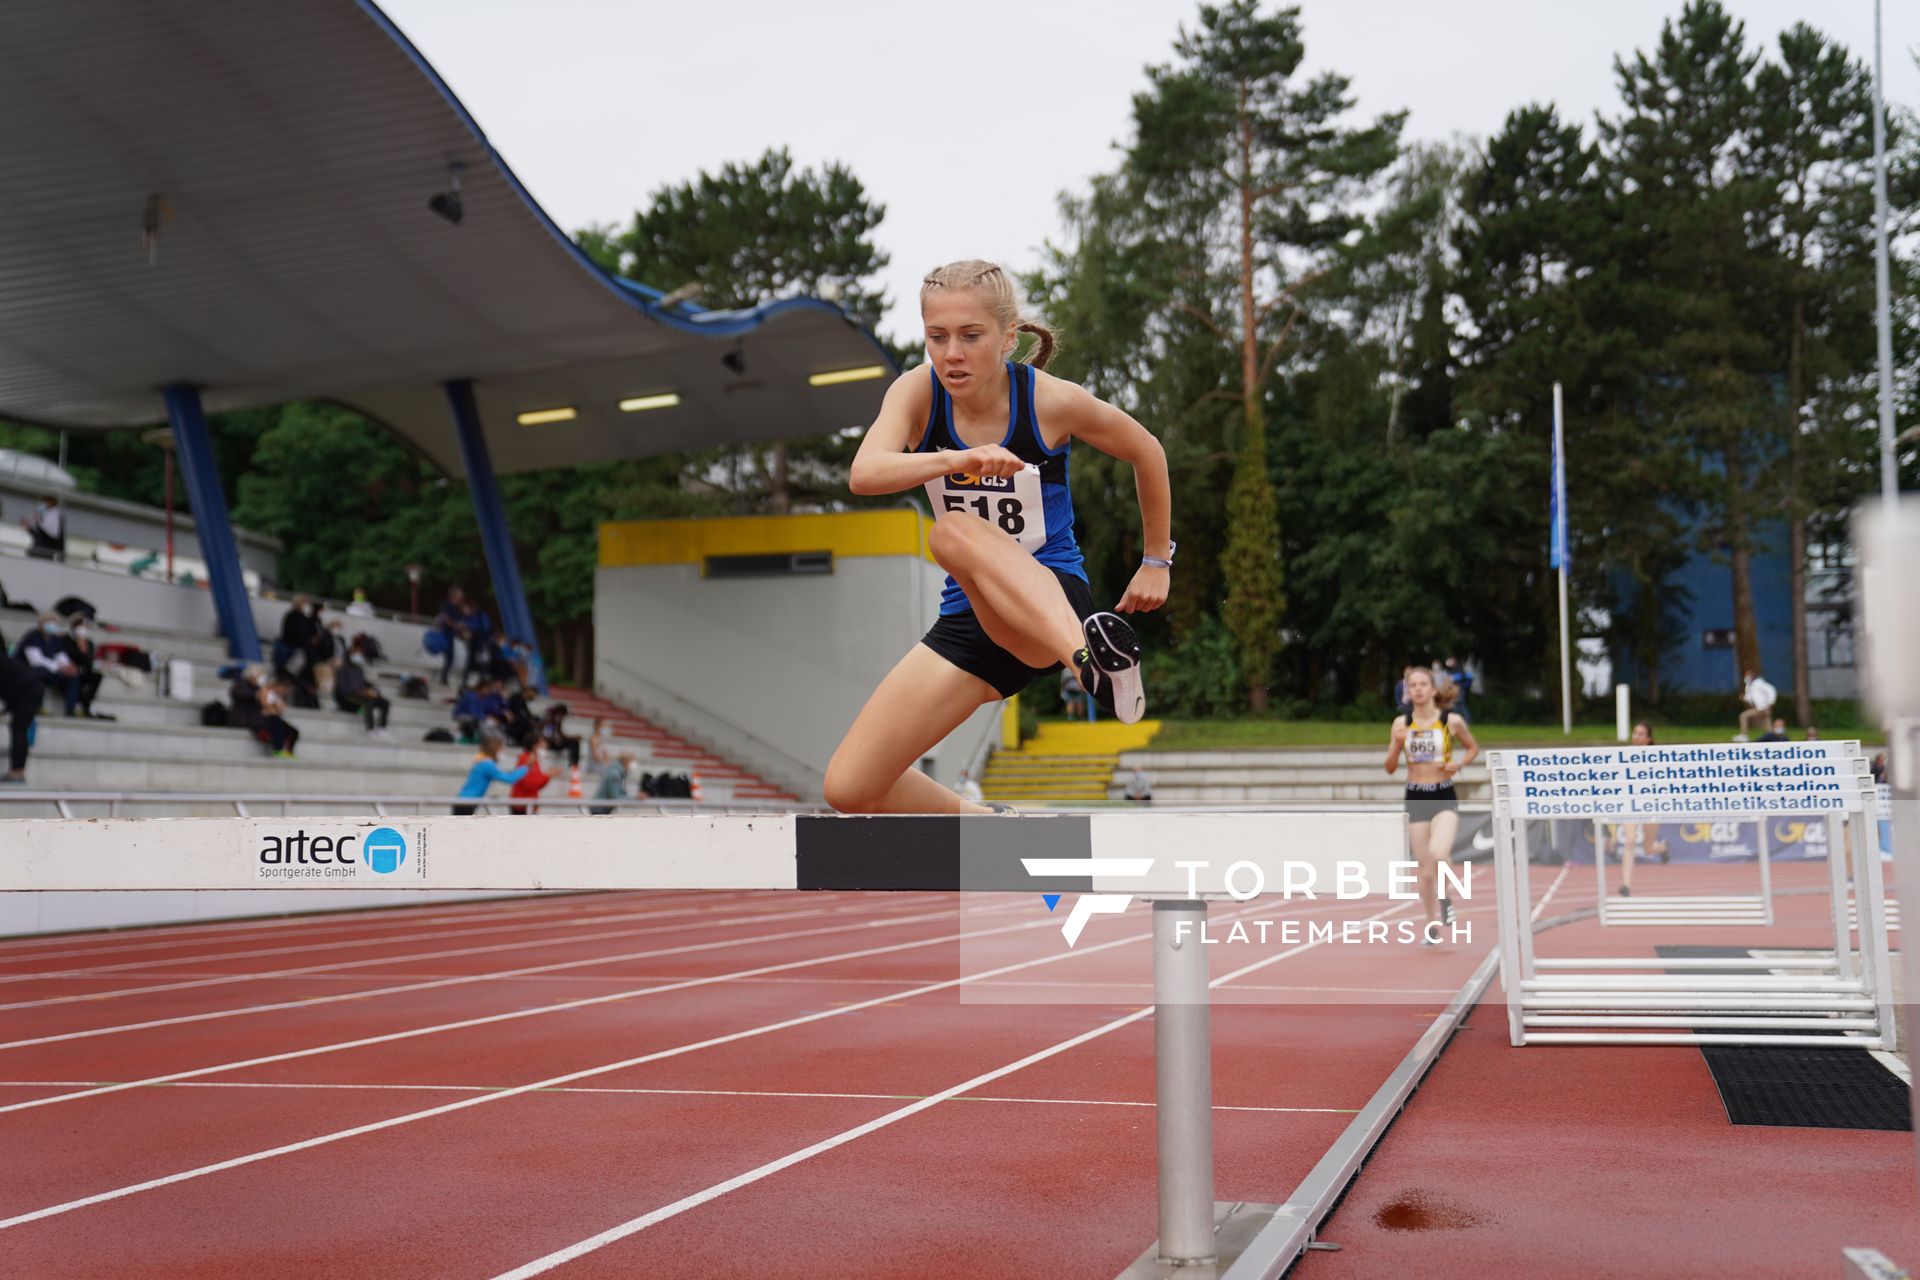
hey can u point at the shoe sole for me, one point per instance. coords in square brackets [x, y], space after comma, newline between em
[1116, 651]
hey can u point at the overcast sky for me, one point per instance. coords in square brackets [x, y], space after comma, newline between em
[967, 121]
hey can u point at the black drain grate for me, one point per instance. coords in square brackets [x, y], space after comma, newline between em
[1800, 1088]
[1808, 1088]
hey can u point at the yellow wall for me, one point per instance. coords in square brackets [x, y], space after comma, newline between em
[896, 532]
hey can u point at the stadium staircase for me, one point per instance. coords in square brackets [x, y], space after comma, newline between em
[1067, 762]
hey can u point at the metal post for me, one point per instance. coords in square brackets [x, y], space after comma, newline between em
[1565, 536]
[222, 554]
[1600, 867]
[1183, 1082]
[1837, 871]
[1766, 872]
[516, 619]
[1882, 310]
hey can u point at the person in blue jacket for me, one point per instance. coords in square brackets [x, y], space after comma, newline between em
[485, 772]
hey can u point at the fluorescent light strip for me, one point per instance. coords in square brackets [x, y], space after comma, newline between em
[665, 400]
[838, 376]
[535, 417]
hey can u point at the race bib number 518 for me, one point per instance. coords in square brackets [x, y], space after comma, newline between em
[1010, 503]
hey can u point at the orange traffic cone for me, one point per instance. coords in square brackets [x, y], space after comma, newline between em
[573, 784]
[694, 790]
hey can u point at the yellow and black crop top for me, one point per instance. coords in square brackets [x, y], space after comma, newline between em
[1429, 744]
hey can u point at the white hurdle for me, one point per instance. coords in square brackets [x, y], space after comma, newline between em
[1690, 909]
[1840, 999]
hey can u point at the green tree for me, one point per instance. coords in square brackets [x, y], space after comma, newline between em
[1682, 165]
[1816, 137]
[1237, 155]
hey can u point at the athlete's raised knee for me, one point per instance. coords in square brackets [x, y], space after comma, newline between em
[955, 540]
[845, 791]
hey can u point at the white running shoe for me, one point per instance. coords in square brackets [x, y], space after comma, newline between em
[1110, 667]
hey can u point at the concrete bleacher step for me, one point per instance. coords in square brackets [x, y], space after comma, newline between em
[1321, 775]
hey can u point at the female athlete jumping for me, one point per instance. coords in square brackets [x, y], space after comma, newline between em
[1426, 735]
[989, 440]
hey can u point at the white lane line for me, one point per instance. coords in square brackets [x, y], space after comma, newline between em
[633, 1225]
[700, 919]
[676, 1093]
[875, 920]
[155, 962]
[539, 1011]
[370, 919]
[570, 1077]
[567, 1078]
[371, 993]
[158, 962]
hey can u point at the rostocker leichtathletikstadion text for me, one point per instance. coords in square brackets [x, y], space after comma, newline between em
[1817, 777]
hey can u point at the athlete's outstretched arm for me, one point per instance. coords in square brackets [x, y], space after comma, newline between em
[1114, 432]
[883, 463]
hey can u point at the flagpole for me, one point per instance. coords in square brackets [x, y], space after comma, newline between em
[1883, 320]
[1560, 543]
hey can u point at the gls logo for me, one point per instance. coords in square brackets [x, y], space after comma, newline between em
[961, 479]
[1088, 905]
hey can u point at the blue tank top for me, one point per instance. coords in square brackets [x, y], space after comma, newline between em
[1023, 439]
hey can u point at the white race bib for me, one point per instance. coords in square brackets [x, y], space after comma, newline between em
[1423, 745]
[1010, 503]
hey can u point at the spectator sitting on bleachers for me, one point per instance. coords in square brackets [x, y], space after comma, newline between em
[359, 607]
[517, 720]
[80, 650]
[292, 651]
[243, 702]
[485, 772]
[20, 693]
[447, 623]
[476, 629]
[553, 732]
[469, 712]
[45, 650]
[48, 530]
[281, 737]
[613, 781]
[352, 691]
[531, 781]
[326, 652]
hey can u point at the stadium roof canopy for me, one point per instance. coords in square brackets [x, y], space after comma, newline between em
[235, 195]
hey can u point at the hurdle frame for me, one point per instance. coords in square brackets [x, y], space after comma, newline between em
[1691, 909]
[1839, 1001]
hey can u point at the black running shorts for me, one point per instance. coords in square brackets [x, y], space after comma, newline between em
[959, 639]
[1428, 800]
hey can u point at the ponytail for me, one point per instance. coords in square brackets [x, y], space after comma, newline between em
[1048, 344]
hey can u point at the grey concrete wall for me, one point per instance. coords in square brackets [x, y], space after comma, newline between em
[770, 671]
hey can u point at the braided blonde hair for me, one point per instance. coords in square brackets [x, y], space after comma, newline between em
[996, 287]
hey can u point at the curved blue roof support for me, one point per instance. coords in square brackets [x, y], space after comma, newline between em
[642, 297]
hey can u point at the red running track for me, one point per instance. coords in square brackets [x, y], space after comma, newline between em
[661, 1084]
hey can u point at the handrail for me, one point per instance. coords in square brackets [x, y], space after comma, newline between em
[784, 759]
[63, 801]
[977, 762]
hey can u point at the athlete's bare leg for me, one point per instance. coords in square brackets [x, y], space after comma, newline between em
[1017, 599]
[876, 767]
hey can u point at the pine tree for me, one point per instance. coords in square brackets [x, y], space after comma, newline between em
[1237, 154]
